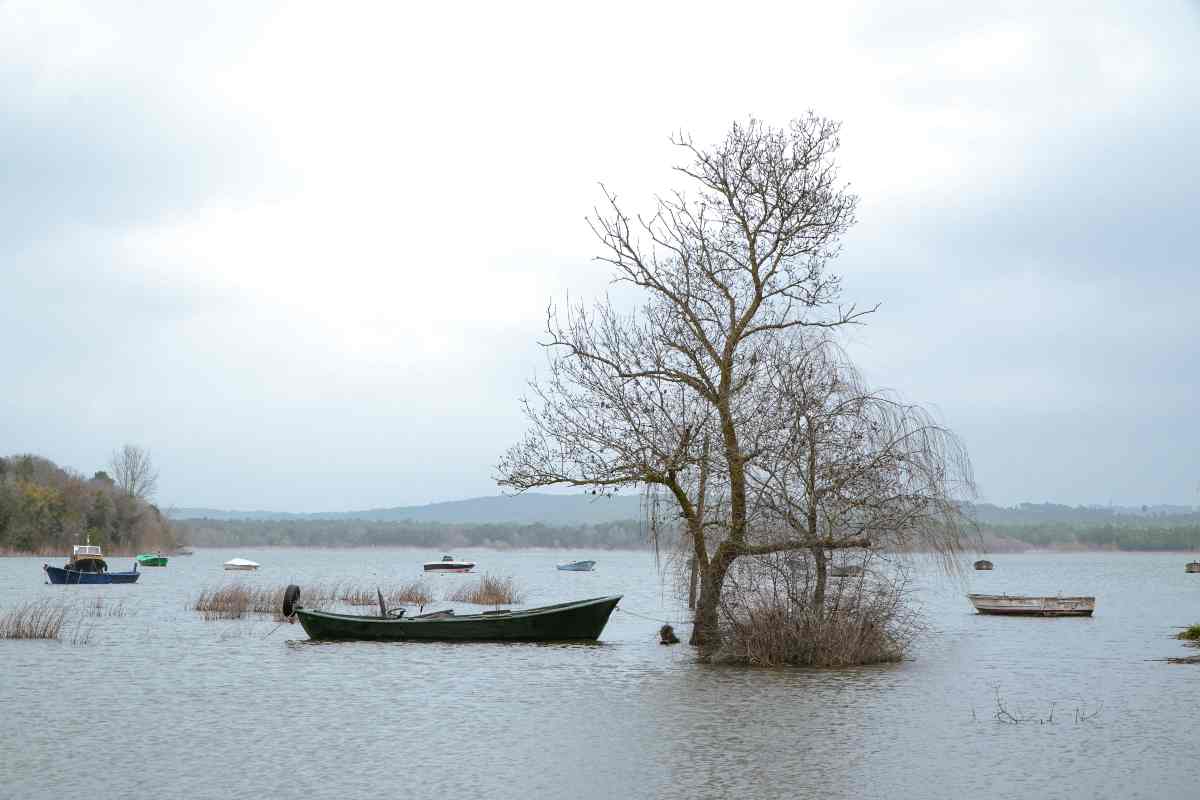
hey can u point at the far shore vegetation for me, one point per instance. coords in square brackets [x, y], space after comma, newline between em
[45, 508]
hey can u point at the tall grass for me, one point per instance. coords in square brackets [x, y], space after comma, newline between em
[489, 590]
[37, 619]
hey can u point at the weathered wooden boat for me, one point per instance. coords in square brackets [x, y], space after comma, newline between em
[578, 566]
[983, 563]
[241, 564]
[152, 559]
[846, 571]
[1020, 605]
[87, 565]
[582, 620]
[1192, 566]
[449, 564]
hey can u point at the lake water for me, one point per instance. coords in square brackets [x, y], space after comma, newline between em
[161, 704]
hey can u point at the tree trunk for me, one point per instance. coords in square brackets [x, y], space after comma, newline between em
[692, 583]
[822, 563]
[706, 629]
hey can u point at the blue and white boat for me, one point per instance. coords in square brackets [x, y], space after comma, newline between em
[87, 565]
[578, 566]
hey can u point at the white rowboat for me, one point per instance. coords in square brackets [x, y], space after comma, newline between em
[1020, 605]
[241, 563]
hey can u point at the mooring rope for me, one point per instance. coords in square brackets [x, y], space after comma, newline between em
[656, 619]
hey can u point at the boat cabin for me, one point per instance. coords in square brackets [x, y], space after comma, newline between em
[87, 558]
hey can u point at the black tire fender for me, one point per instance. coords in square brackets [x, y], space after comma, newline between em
[290, 595]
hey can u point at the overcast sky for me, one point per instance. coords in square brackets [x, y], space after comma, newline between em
[301, 252]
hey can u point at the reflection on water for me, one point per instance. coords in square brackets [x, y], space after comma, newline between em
[180, 707]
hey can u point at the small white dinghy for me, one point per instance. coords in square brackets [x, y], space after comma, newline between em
[241, 563]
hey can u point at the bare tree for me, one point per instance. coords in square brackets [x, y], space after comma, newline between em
[723, 272]
[134, 472]
[854, 468]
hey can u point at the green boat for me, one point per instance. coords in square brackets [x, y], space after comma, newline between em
[152, 560]
[580, 620]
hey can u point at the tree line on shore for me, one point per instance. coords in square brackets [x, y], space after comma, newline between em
[366, 533]
[1117, 532]
[1127, 534]
[45, 508]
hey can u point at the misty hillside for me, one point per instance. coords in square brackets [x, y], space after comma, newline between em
[547, 509]
[581, 509]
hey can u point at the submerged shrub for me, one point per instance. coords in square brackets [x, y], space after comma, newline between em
[1191, 634]
[861, 621]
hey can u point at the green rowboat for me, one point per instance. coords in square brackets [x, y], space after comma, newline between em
[152, 560]
[580, 620]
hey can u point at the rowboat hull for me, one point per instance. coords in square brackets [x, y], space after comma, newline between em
[152, 560]
[1022, 606]
[582, 620]
[578, 566]
[59, 575]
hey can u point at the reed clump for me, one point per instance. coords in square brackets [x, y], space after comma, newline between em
[489, 590]
[37, 619]
[223, 602]
[233, 601]
[416, 593]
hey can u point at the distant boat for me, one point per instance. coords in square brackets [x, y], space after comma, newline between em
[580, 620]
[185, 551]
[449, 564]
[983, 564]
[152, 559]
[87, 565]
[578, 566]
[1192, 566]
[242, 564]
[846, 571]
[1019, 605]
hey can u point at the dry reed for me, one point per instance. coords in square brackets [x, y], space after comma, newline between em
[99, 608]
[224, 602]
[37, 619]
[415, 593]
[489, 590]
[234, 601]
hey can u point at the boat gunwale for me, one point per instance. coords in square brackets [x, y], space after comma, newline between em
[1042, 597]
[480, 617]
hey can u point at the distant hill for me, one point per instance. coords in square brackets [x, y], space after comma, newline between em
[547, 509]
